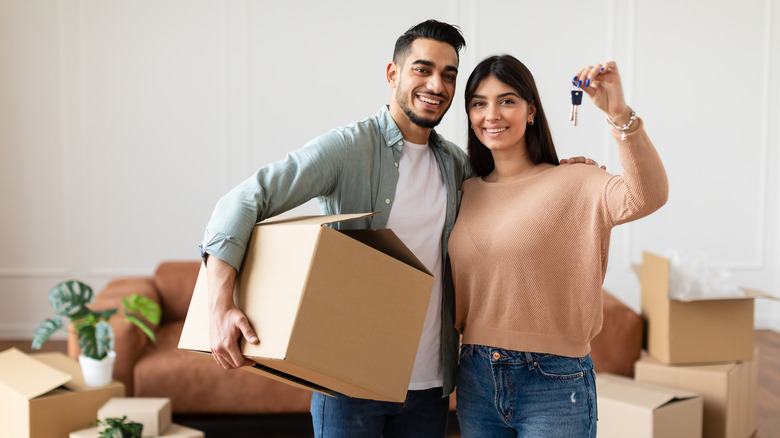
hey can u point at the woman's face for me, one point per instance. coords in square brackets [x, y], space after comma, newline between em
[498, 115]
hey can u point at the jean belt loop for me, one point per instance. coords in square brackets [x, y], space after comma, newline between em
[529, 360]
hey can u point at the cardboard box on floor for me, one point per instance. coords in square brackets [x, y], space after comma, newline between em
[173, 431]
[704, 330]
[153, 412]
[44, 395]
[335, 311]
[729, 392]
[628, 408]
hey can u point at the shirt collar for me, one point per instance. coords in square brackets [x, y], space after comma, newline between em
[392, 135]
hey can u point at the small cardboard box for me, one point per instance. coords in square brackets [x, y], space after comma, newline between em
[153, 412]
[173, 431]
[336, 311]
[703, 330]
[628, 408]
[44, 395]
[729, 392]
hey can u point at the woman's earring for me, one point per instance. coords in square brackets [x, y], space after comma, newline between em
[531, 122]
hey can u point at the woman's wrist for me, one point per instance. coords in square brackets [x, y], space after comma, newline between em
[621, 118]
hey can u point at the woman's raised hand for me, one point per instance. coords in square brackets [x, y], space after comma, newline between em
[602, 83]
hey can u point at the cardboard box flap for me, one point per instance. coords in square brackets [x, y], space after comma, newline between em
[386, 241]
[642, 394]
[66, 365]
[27, 376]
[318, 220]
[755, 293]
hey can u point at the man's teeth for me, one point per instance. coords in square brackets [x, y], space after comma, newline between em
[495, 131]
[431, 101]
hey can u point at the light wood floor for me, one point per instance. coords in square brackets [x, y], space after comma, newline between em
[297, 426]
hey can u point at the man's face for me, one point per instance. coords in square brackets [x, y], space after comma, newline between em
[425, 81]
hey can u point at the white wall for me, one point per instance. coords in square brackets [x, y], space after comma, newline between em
[122, 122]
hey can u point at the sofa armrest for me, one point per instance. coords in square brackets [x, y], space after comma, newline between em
[129, 340]
[619, 344]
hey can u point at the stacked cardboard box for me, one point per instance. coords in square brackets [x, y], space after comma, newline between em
[643, 410]
[153, 412]
[703, 345]
[44, 395]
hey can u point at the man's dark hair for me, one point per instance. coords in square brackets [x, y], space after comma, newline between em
[431, 29]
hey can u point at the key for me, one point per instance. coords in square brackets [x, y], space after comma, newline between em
[576, 101]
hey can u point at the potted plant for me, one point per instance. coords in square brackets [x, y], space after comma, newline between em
[114, 427]
[96, 337]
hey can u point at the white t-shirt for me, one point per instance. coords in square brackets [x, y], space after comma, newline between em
[417, 218]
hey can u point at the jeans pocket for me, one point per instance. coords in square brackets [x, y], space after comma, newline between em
[465, 350]
[560, 367]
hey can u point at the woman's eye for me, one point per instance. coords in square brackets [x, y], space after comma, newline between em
[507, 101]
[476, 104]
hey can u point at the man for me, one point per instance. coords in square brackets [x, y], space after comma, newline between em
[392, 163]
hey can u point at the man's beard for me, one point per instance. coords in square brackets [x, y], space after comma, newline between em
[419, 121]
[405, 105]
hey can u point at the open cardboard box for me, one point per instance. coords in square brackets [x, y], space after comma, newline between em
[729, 392]
[628, 408]
[173, 431]
[336, 311]
[153, 412]
[702, 330]
[44, 395]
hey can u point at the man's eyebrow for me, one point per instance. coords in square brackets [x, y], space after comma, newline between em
[432, 64]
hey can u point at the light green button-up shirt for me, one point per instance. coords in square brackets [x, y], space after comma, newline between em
[350, 169]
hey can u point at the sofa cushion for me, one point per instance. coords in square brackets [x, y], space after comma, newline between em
[175, 282]
[197, 385]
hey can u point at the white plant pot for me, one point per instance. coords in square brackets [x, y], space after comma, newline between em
[98, 372]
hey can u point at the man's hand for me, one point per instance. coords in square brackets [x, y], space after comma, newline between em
[227, 324]
[575, 160]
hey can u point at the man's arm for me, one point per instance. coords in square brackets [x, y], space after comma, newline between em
[228, 324]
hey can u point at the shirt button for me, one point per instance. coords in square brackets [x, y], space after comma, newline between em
[496, 356]
[396, 164]
[387, 201]
[400, 143]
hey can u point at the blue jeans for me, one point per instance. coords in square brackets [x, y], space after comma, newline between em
[423, 414]
[505, 393]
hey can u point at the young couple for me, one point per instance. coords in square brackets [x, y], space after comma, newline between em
[518, 275]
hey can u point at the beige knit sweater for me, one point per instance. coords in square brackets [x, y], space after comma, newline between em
[529, 256]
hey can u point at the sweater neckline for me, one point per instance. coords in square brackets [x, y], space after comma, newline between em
[482, 181]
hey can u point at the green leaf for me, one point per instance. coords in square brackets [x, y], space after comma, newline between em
[88, 342]
[147, 307]
[70, 298]
[141, 325]
[104, 335]
[45, 330]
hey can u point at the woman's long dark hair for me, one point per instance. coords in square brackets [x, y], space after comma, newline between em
[538, 140]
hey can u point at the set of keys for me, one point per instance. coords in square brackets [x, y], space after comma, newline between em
[576, 101]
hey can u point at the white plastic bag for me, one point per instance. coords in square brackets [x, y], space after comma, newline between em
[693, 277]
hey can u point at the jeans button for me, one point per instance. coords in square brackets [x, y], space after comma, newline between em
[496, 355]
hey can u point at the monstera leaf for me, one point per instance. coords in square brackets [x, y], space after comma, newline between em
[70, 298]
[45, 330]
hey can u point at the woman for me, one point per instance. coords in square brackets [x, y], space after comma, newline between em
[529, 253]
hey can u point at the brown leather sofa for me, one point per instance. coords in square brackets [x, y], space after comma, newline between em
[197, 385]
